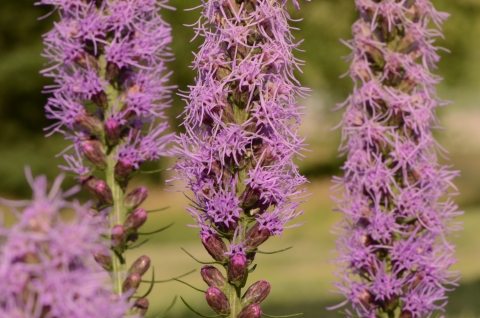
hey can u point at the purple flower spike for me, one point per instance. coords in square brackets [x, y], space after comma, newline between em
[241, 123]
[46, 263]
[396, 197]
[108, 63]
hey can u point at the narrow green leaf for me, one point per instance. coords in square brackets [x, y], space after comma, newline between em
[196, 312]
[171, 279]
[198, 289]
[156, 231]
[275, 252]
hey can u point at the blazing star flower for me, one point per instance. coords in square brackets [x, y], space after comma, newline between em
[46, 263]
[241, 124]
[107, 60]
[393, 245]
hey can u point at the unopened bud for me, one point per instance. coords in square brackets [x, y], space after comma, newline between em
[367, 299]
[87, 61]
[104, 260]
[256, 237]
[92, 149]
[123, 169]
[117, 236]
[140, 266]
[112, 128]
[237, 269]
[251, 311]
[99, 188]
[112, 71]
[215, 247]
[256, 293]
[213, 277]
[135, 197]
[140, 307]
[90, 123]
[217, 301]
[131, 282]
[406, 314]
[135, 220]
[100, 99]
[250, 197]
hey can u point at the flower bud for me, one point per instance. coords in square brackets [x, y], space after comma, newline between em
[140, 307]
[367, 299]
[100, 99]
[104, 260]
[112, 128]
[135, 197]
[87, 61]
[406, 314]
[118, 236]
[99, 188]
[213, 277]
[123, 169]
[92, 149]
[237, 269]
[256, 293]
[140, 266]
[135, 220]
[112, 71]
[214, 246]
[90, 123]
[131, 282]
[217, 301]
[251, 311]
[256, 237]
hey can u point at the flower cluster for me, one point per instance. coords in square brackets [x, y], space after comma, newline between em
[108, 63]
[46, 263]
[396, 197]
[241, 124]
[107, 59]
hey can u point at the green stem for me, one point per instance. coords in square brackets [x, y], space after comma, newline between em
[117, 217]
[234, 301]
[118, 213]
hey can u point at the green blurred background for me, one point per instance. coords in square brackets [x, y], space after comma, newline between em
[300, 277]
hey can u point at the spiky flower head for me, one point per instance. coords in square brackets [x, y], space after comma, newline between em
[396, 196]
[107, 59]
[46, 262]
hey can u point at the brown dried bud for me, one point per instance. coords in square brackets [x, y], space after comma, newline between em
[99, 188]
[90, 123]
[406, 314]
[256, 293]
[135, 197]
[112, 128]
[215, 247]
[123, 169]
[104, 260]
[131, 282]
[140, 266]
[237, 269]
[112, 71]
[217, 301]
[87, 61]
[251, 311]
[135, 220]
[213, 277]
[140, 307]
[118, 236]
[250, 197]
[256, 237]
[100, 99]
[93, 150]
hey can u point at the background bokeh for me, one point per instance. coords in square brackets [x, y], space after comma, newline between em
[301, 277]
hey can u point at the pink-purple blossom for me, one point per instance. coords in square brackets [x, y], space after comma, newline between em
[46, 262]
[393, 244]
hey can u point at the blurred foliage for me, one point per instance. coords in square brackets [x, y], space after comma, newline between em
[324, 22]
